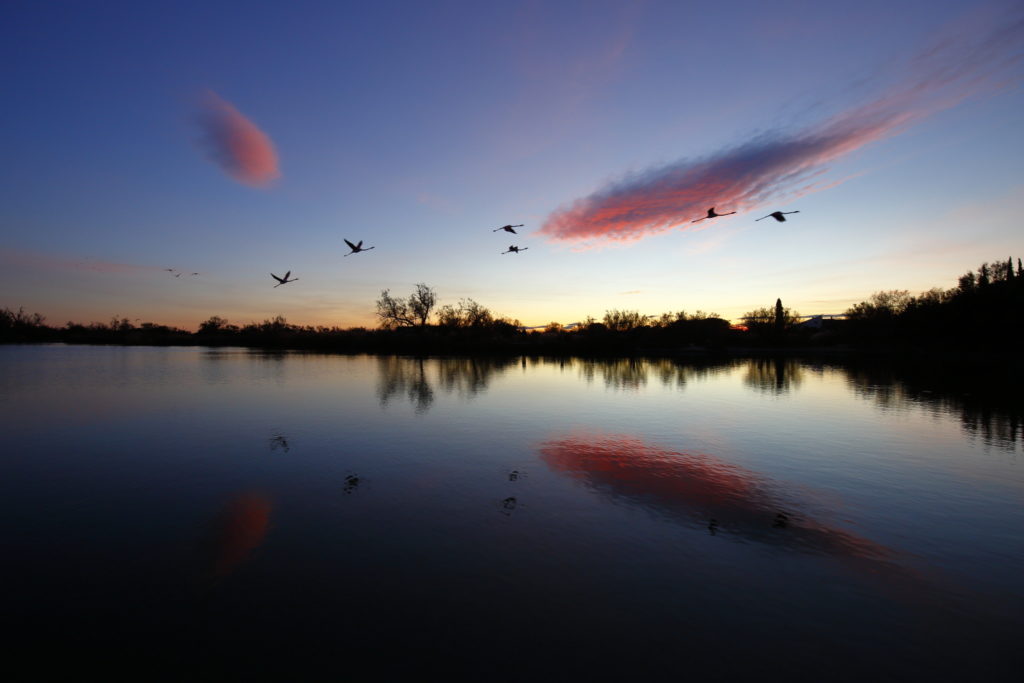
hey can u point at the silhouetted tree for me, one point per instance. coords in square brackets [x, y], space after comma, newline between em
[764, 318]
[411, 312]
[967, 282]
[881, 305]
[214, 323]
[624, 321]
[983, 275]
[780, 319]
[422, 302]
[467, 314]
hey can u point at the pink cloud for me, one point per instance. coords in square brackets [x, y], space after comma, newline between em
[782, 166]
[236, 144]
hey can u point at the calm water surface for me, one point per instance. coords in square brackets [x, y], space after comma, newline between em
[198, 514]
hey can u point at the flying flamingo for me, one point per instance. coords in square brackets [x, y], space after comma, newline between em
[508, 228]
[356, 248]
[780, 216]
[514, 249]
[283, 280]
[712, 214]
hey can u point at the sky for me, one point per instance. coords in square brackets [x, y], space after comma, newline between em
[235, 140]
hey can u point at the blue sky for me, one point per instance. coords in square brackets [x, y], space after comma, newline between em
[419, 127]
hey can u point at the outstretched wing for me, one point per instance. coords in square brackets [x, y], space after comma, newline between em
[511, 229]
[287, 275]
[360, 245]
[281, 280]
[350, 245]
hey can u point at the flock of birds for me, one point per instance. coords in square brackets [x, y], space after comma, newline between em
[358, 247]
[178, 273]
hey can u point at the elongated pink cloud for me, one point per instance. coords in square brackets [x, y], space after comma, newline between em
[235, 143]
[782, 166]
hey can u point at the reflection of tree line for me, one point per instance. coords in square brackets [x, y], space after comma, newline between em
[417, 377]
[987, 401]
[634, 373]
[988, 406]
[773, 375]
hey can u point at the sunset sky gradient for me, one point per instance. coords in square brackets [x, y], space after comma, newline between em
[236, 140]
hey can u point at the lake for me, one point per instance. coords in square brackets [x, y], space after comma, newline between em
[210, 514]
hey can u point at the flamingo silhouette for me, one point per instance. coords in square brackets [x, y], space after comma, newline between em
[356, 248]
[712, 214]
[283, 280]
[508, 228]
[780, 216]
[514, 249]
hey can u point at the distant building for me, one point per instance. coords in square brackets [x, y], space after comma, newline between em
[816, 322]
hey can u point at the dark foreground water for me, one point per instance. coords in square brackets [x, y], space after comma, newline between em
[194, 514]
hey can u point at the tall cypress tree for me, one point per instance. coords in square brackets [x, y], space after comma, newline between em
[780, 319]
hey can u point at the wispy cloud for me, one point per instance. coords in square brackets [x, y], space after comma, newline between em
[779, 166]
[38, 260]
[235, 143]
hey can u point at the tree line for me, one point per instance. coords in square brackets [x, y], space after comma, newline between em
[983, 311]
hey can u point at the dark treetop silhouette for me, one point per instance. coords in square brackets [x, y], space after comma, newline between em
[283, 280]
[512, 249]
[780, 216]
[712, 214]
[356, 248]
[508, 228]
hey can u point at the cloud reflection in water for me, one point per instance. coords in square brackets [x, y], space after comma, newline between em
[696, 489]
[237, 531]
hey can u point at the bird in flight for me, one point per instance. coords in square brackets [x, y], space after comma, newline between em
[712, 214]
[169, 270]
[195, 273]
[780, 216]
[283, 280]
[356, 248]
[508, 228]
[514, 249]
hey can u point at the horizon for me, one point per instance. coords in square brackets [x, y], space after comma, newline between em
[235, 144]
[567, 326]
